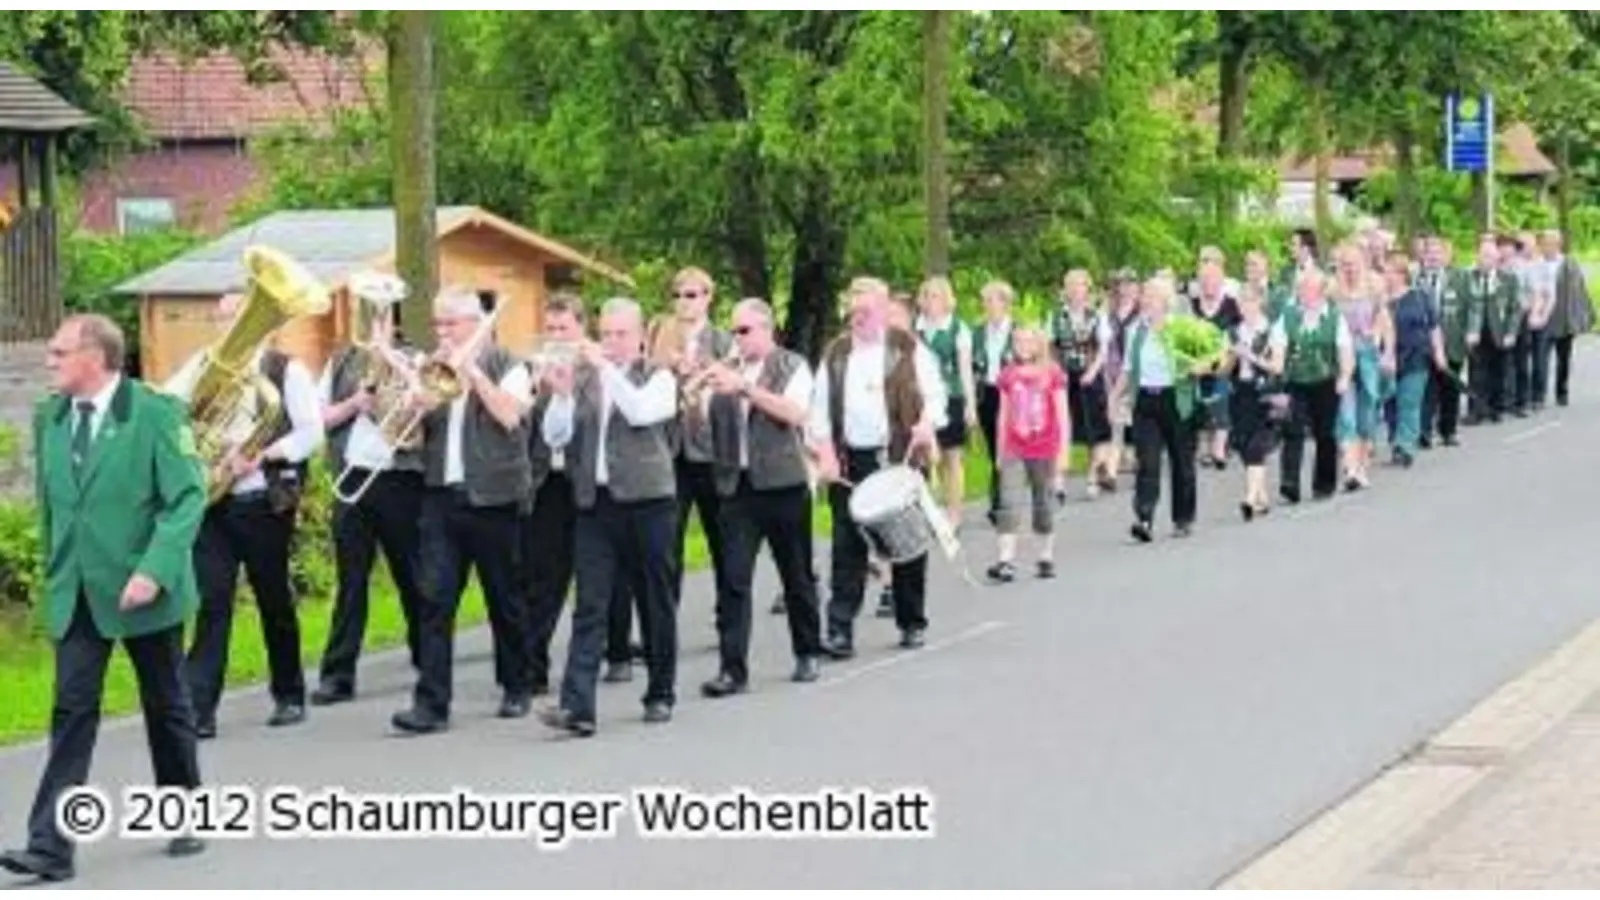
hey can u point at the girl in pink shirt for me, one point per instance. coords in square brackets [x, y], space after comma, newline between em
[1031, 437]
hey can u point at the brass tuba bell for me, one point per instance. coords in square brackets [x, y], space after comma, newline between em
[230, 397]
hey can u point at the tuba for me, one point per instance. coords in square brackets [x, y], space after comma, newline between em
[229, 396]
[382, 370]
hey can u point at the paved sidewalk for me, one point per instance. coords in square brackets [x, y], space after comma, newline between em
[1534, 823]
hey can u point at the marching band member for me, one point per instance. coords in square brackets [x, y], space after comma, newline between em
[1441, 398]
[252, 527]
[877, 402]
[612, 419]
[1214, 302]
[385, 515]
[950, 341]
[1254, 370]
[758, 418]
[994, 352]
[1122, 314]
[1491, 332]
[1081, 337]
[548, 532]
[475, 455]
[1318, 357]
[1164, 399]
[704, 343]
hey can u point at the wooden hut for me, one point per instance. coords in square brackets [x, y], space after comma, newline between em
[510, 267]
[32, 119]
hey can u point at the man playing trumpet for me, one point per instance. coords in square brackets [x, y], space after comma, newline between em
[475, 463]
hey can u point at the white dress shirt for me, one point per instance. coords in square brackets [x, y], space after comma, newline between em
[366, 447]
[102, 404]
[517, 381]
[654, 402]
[866, 409]
[300, 402]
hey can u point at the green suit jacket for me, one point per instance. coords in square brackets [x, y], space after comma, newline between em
[136, 507]
[1496, 308]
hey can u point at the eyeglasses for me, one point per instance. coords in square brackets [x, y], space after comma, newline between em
[690, 295]
[743, 330]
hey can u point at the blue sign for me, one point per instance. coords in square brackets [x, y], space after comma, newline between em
[1469, 133]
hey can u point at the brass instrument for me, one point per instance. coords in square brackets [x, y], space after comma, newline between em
[383, 370]
[547, 353]
[692, 390]
[228, 395]
[441, 379]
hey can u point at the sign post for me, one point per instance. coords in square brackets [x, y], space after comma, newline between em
[1469, 142]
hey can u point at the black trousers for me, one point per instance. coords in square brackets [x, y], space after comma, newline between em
[1313, 410]
[547, 553]
[697, 487]
[1441, 401]
[632, 543]
[244, 531]
[849, 562]
[988, 423]
[387, 517]
[782, 518]
[619, 622]
[458, 537]
[1523, 362]
[80, 671]
[1157, 427]
[1490, 370]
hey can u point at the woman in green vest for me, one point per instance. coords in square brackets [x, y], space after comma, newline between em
[950, 340]
[1082, 337]
[1314, 343]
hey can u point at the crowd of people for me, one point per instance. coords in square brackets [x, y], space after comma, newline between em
[555, 475]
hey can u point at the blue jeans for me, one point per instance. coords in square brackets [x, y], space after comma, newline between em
[1409, 391]
[1358, 408]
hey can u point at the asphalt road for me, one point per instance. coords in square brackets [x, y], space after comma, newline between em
[1155, 717]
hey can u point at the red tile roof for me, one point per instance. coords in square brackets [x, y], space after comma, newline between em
[211, 98]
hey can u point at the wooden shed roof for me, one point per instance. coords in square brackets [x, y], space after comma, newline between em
[332, 245]
[27, 105]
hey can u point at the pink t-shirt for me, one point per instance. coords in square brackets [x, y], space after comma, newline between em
[1034, 426]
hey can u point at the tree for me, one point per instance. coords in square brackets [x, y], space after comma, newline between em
[935, 112]
[412, 144]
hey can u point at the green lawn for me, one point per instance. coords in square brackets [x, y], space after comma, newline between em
[27, 663]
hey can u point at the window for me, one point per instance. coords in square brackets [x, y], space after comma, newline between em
[140, 214]
[488, 300]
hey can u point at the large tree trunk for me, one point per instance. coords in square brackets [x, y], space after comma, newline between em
[746, 234]
[1323, 153]
[819, 247]
[1564, 190]
[1406, 201]
[935, 111]
[1233, 87]
[412, 145]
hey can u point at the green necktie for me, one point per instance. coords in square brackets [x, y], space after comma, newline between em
[81, 434]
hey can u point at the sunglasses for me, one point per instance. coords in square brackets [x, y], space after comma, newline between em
[743, 330]
[690, 295]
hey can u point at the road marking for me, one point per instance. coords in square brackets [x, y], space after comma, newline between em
[1534, 432]
[1358, 833]
[975, 631]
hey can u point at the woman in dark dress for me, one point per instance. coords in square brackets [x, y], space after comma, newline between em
[1213, 303]
[1256, 400]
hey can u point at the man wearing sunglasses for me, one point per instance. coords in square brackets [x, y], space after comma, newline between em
[758, 417]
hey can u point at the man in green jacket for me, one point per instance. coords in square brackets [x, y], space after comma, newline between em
[120, 496]
[1492, 296]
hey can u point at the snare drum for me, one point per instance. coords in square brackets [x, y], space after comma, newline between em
[887, 506]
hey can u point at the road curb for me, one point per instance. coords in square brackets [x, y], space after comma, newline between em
[1361, 830]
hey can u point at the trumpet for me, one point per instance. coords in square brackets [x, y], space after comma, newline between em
[692, 391]
[547, 353]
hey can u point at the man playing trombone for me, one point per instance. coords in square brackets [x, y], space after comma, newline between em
[475, 461]
[377, 488]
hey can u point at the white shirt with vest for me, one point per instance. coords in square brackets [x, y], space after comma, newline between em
[796, 390]
[866, 406]
[653, 403]
[300, 402]
[995, 336]
[517, 381]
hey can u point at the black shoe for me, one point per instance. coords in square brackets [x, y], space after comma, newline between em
[911, 639]
[1425, 442]
[1403, 459]
[1044, 568]
[618, 673]
[327, 696]
[838, 647]
[723, 685]
[1182, 530]
[514, 706]
[561, 720]
[1450, 440]
[657, 712]
[1001, 573]
[287, 714]
[1561, 401]
[1351, 485]
[806, 669]
[185, 846]
[1141, 532]
[1290, 496]
[1247, 512]
[418, 721]
[1520, 413]
[540, 689]
[636, 651]
[205, 729]
[44, 868]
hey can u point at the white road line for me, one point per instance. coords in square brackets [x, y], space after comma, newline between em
[1534, 432]
[975, 631]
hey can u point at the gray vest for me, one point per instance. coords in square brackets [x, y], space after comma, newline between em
[638, 460]
[692, 437]
[541, 458]
[777, 459]
[346, 380]
[493, 460]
